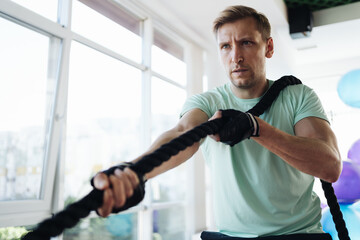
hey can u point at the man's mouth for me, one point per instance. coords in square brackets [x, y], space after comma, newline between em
[239, 70]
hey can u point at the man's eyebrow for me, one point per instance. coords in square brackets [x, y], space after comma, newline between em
[222, 42]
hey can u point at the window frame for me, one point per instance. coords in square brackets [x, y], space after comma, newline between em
[27, 212]
[15, 213]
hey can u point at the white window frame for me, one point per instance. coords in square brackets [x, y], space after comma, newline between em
[27, 212]
[24, 212]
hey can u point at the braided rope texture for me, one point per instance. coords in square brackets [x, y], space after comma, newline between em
[67, 218]
[72, 214]
[335, 211]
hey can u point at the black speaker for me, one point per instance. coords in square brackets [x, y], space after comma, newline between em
[300, 22]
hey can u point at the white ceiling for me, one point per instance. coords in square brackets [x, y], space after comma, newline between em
[335, 36]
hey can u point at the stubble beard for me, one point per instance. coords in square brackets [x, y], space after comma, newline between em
[244, 84]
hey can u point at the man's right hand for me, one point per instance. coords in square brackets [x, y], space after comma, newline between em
[117, 187]
[240, 125]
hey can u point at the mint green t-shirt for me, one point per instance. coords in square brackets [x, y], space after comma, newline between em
[255, 192]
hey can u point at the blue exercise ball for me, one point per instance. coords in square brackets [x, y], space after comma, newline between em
[351, 214]
[349, 88]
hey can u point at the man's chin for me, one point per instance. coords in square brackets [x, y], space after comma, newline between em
[242, 83]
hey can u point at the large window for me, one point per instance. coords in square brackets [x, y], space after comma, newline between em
[103, 116]
[85, 85]
[46, 8]
[168, 58]
[167, 97]
[109, 26]
[28, 79]
[23, 98]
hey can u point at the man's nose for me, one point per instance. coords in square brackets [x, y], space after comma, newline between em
[237, 55]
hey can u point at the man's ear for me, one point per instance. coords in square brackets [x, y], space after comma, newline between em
[269, 48]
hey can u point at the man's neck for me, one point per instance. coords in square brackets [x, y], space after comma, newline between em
[251, 93]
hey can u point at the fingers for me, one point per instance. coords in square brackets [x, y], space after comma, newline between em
[216, 115]
[108, 203]
[122, 185]
[101, 181]
[133, 177]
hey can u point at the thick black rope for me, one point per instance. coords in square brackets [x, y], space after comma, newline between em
[72, 214]
[335, 211]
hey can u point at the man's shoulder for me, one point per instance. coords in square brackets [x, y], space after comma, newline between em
[297, 89]
[215, 93]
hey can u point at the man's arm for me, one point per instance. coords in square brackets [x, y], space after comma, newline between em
[313, 149]
[190, 120]
[124, 182]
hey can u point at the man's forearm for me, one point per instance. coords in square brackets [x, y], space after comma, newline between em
[174, 161]
[188, 121]
[310, 155]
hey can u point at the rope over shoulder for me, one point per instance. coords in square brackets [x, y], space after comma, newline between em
[272, 94]
[72, 214]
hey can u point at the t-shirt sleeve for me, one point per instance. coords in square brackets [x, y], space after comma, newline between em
[309, 106]
[196, 101]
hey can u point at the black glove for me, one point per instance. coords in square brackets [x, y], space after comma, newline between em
[139, 191]
[239, 126]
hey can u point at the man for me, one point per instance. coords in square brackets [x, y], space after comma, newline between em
[262, 185]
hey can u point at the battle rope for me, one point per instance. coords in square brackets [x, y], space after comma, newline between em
[72, 214]
[335, 211]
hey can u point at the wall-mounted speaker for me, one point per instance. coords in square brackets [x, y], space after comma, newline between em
[300, 22]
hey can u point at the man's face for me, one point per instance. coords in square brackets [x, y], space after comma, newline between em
[243, 52]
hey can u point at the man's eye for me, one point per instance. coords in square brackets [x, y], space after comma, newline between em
[247, 43]
[225, 46]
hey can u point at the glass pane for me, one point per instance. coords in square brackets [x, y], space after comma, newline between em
[167, 59]
[170, 186]
[103, 116]
[114, 227]
[169, 223]
[46, 8]
[105, 31]
[26, 95]
[166, 103]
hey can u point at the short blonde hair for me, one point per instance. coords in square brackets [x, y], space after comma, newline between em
[234, 13]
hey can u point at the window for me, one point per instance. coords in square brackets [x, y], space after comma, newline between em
[23, 98]
[119, 227]
[46, 8]
[169, 223]
[103, 116]
[109, 26]
[27, 91]
[79, 93]
[167, 98]
[168, 58]
[166, 103]
[106, 96]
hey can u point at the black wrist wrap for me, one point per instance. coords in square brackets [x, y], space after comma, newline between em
[239, 126]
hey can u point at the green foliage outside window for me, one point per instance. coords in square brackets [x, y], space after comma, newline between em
[12, 233]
